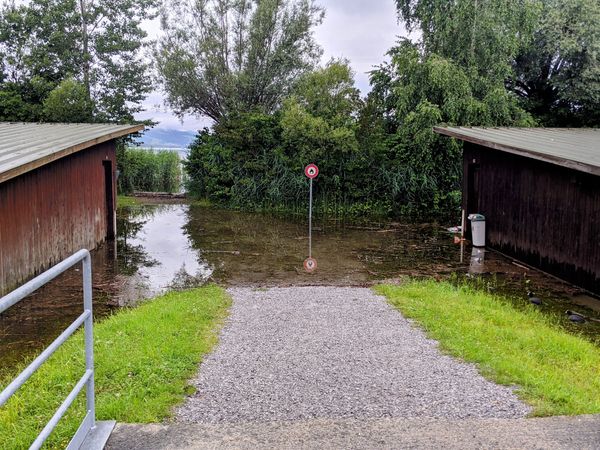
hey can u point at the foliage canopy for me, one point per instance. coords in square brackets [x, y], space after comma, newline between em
[221, 57]
[545, 51]
[557, 72]
[97, 44]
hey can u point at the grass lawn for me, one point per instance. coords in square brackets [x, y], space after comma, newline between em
[144, 359]
[557, 373]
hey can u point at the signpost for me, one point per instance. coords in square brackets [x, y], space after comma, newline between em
[311, 171]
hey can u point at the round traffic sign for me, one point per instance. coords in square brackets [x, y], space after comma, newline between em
[311, 171]
[310, 264]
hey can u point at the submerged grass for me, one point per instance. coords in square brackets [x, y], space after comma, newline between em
[556, 372]
[144, 358]
[125, 200]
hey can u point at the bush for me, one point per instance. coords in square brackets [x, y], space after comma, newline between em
[255, 160]
[148, 170]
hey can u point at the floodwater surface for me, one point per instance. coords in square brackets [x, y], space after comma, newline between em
[173, 246]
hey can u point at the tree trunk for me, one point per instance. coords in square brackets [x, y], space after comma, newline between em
[86, 53]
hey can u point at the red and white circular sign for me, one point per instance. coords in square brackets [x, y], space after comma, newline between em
[311, 171]
[310, 264]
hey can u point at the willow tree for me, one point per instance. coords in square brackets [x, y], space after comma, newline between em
[483, 37]
[545, 51]
[455, 74]
[219, 57]
[557, 74]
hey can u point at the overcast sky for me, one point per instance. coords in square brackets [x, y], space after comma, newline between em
[359, 30]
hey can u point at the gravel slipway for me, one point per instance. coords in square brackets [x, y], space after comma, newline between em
[333, 353]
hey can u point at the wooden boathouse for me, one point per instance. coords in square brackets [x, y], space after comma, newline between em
[539, 190]
[57, 193]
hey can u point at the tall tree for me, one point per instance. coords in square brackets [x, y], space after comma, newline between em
[97, 43]
[545, 51]
[481, 36]
[456, 74]
[557, 74]
[318, 123]
[330, 93]
[68, 102]
[220, 57]
[415, 92]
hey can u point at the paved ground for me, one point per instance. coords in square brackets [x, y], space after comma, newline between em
[338, 367]
[554, 433]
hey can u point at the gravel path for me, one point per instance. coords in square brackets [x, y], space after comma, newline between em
[331, 352]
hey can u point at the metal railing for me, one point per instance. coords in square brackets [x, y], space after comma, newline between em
[88, 425]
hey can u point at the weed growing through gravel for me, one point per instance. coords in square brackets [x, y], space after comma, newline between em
[557, 373]
[144, 359]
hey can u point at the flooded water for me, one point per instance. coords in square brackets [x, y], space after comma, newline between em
[174, 246]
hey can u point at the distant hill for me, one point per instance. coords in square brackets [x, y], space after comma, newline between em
[166, 138]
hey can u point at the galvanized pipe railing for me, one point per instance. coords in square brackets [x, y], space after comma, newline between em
[87, 380]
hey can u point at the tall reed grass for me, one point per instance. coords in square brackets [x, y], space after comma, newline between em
[149, 170]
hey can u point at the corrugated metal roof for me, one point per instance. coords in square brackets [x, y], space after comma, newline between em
[27, 146]
[576, 148]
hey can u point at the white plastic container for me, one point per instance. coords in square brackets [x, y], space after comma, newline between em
[477, 229]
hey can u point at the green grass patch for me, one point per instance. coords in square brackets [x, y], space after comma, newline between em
[557, 373]
[125, 200]
[144, 359]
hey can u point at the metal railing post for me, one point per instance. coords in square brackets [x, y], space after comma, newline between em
[91, 434]
[89, 337]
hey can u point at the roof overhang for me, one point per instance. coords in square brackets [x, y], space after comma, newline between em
[543, 144]
[31, 152]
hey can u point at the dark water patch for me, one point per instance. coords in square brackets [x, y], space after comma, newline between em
[39, 318]
[249, 248]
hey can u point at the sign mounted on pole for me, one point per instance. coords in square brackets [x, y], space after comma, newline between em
[311, 171]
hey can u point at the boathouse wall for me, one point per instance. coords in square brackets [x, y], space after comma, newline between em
[49, 213]
[543, 214]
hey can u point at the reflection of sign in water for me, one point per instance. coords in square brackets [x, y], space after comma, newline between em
[310, 264]
[311, 171]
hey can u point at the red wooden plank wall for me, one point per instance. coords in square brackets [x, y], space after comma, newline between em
[51, 212]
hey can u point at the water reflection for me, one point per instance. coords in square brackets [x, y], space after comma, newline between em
[161, 247]
[477, 264]
[131, 254]
[156, 250]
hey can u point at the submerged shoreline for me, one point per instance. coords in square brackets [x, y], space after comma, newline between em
[169, 246]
